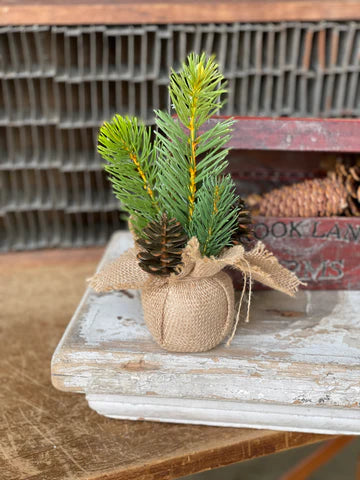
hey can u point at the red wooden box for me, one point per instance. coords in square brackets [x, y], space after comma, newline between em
[266, 153]
[323, 252]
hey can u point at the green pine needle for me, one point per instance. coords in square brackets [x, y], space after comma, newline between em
[195, 94]
[180, 174]
[215, 216]
[126, 145]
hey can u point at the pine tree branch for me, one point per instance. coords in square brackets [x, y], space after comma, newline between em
[195, 93]
[215, 215]
[127, 147]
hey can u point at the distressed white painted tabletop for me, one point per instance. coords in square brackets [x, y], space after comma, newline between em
[295, 366]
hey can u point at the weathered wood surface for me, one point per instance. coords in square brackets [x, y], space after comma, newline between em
[294, 134]
[323, 252]
[295, 366]
[50, 435]
[68, 12]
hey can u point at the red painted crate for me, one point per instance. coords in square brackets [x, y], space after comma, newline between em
[323, 252]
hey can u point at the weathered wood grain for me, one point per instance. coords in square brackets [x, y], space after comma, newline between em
[68, 12]
[50, 435]
[295, 366]
[294, 134]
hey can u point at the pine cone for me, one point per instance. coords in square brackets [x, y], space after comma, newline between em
[337, 194]
[347, 171]
[243, 234]
[163, 243]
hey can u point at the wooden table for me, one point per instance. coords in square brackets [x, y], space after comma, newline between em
[48, 434]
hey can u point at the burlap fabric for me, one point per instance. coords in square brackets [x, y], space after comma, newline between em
[193, 310]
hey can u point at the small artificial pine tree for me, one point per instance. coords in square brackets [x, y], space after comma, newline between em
[174, 188]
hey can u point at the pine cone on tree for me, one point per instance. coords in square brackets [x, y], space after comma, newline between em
[243, 234]
[337, 194]
[163, 242]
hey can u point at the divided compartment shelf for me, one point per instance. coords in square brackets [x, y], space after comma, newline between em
[58, 83]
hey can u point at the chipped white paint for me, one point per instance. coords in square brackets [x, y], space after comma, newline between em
[225, 414]
[296, 366]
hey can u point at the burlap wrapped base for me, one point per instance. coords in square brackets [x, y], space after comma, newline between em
[192, 310]
[191, 315]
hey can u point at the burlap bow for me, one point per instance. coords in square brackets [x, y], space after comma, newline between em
[257, 264]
